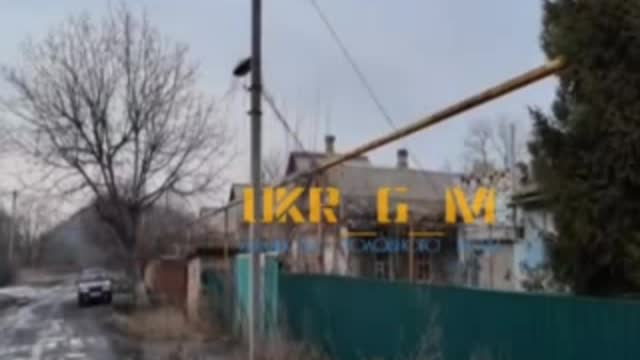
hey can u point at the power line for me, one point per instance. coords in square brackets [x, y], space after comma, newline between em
[363, 79]
[354, 65]
[496, 91]
[280, 117]
[287, 126]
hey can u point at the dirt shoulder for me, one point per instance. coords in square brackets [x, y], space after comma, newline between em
[165, 333]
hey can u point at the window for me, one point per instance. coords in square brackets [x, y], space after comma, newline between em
[507, 275]
[381, 266]
[423, 267]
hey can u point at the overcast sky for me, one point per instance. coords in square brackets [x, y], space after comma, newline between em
[418, 55]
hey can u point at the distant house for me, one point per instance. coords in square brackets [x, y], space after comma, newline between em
[82, 240]
[86, 240]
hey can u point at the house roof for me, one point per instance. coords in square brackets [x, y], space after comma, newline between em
[236, 190]
[359, 181]
[365, 180]
[212, 251]
[359, 184]
[304, 160]
[527, 194]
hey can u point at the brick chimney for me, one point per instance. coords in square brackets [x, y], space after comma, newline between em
[329, 144]
[403, 158]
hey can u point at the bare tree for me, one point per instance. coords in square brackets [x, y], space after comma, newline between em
[273, 166]
[111, 109]
[477, 145]
[3, 137]
[164, 227]
[488, 147]
[34, 217]
[6, 226]
[447, 166]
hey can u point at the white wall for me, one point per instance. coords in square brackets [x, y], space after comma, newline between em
[531, 249]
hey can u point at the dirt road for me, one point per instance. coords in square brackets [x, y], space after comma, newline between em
[41, 321]
[45, 324]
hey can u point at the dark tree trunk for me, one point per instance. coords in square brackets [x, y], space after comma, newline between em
[125, 221]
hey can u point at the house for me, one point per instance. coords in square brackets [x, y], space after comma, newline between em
[535, 229]
[80, 241]
[86, 240]
[486, 252]
[180, 280]
[511, 254]
[201, 263]
[238, 229]
[357, 245]
[166, 278]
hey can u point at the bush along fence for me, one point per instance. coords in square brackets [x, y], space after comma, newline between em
[359, 319]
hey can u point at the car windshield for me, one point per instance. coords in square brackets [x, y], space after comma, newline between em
[92, 274]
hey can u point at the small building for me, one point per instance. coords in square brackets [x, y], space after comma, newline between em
[535, 230]
[486, 252]
[166, 280]
[204, 262]
[512, 254]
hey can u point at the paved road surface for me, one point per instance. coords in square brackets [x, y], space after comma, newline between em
[49, 326]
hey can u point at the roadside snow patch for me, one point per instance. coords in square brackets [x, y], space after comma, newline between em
[26, 292]
[20, 292]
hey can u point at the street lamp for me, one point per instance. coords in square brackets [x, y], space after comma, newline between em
[253, 65]
[242, 68]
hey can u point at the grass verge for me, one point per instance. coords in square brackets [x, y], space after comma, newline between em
[281, 348]
[160, 323]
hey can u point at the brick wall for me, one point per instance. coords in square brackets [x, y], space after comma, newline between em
[166, 279]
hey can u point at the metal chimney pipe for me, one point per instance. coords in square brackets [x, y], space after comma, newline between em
[403, 158]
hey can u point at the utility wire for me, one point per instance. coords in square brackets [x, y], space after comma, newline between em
[296, 138]
[361, 76]
[280, 117]
[354, 65]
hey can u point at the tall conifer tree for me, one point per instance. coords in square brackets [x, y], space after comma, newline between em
[586, 149]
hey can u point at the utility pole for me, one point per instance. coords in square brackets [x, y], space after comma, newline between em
[256, 153]
[226, 240]
[14, 224]
[512, 173]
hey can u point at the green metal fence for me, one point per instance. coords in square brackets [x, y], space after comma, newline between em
[228, 295]
[271, 274]
[364, 319]
[220, 295]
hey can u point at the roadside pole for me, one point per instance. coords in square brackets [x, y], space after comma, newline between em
[256, 153]
[512, 173]
[14, 225]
